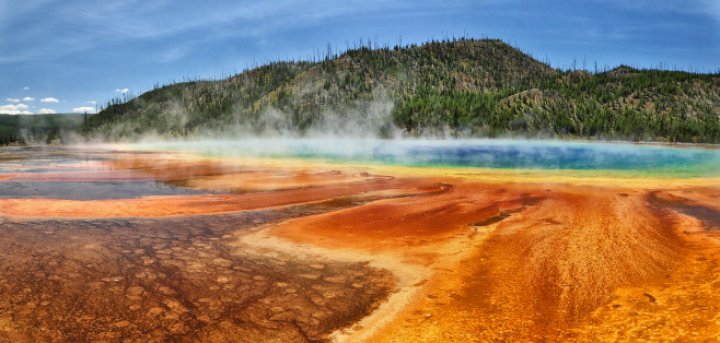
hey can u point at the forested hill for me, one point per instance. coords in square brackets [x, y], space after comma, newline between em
[38, 128]
[462, 88]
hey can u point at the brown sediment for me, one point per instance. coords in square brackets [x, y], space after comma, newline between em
[173, 279]
[534, 275]
[683, 307]
[253, 181]
[317, 253]
[412, 221]
[541, 273]
[694, 203]
[408, 278]
[177, 278]
[160, 167]
[430, 232]
[155, 206]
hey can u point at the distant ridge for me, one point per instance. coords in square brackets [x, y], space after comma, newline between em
[462, 88]
[37, 128]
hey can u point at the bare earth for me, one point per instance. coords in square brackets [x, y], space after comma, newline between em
[301, 252]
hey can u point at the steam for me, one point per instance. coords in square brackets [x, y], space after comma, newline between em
[473, 153]
[363, 119]
[364, 131]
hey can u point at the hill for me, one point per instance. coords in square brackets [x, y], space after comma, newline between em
[36, 129]
[461, 88]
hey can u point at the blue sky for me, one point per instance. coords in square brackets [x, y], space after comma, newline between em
[63, 55]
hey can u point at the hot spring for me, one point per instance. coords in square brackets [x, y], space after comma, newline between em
[618, 158]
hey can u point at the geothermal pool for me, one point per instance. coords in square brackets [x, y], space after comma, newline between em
[678, 160]
[360, 240]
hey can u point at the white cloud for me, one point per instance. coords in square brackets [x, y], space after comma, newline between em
[50, 100]
[84, 109]
[92, 102]
[28, 98]
[16, 100]
[26, 88]
[14, 109]
[45, 111]
[122, 90]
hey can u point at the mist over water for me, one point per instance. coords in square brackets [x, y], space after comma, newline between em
[472, 153]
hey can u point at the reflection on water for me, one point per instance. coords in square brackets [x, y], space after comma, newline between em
[79, 174]
[99, 190]
[178, 277]
[41, 159]
[102, 172]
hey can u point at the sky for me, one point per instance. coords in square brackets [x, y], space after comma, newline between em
[59, 56]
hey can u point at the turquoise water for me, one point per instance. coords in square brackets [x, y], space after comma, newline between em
[686, 161]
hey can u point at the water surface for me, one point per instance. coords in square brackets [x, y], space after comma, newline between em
[642, 159]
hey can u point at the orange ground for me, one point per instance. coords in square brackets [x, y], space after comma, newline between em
[498, 261]
[547, 272]
[155, 206]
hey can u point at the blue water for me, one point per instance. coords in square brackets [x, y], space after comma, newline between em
[541, 156]
[504, 154]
